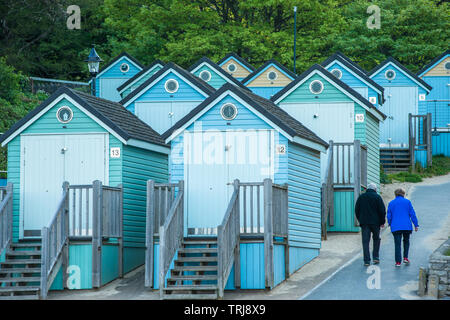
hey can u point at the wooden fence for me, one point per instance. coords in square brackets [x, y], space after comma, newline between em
[420, 127]
[328, 194]
[91, 212]
[6, 217]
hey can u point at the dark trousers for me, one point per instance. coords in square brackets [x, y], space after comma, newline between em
[366, 231]
[398, 235]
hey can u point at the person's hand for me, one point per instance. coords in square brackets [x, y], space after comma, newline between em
[416, 228]
[382, 226]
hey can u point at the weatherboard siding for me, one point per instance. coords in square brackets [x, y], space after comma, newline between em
[241, 71]
[344, 217]
[261, 80]
[135, 84]
[216, 80]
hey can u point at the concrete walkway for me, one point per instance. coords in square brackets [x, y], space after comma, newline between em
[354, 281]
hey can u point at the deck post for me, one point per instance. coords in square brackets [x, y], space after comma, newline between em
[237, 252]
[412, 140]
[65, 251]
[97, 233]
[9, 190]
[268, 233]
[357, 175]
[429, 141]
[44, 262]
[121, 231]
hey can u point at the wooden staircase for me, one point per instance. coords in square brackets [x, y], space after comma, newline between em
[395, 160]
[194, 275]
[20, 272]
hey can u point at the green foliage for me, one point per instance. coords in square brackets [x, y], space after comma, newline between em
[15, 102]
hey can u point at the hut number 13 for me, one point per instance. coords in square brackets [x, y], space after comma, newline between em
[115, 153]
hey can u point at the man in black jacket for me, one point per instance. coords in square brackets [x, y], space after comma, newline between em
[370, 212]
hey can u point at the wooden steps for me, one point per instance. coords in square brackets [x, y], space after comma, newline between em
[395, 160]
[194, 275]
[20, 272]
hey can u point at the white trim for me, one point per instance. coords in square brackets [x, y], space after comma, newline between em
[396, 67]
[51, 105]
[158, 79]
[211, 67]
[375, 114]
[339, 71]
[231, 64]
[213, 103]
[310, 144]
[148, 146]
[137, 79]
[276, 75]
[357, 76]
[128, 67]
[235, 111]
[118, 61]
[71, 114]
[205, 72]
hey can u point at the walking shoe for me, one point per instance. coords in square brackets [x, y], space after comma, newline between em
[398, 264]
[376, 261]
[366, 264]
[405, 261]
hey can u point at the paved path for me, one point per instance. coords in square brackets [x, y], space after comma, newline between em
[432, 206]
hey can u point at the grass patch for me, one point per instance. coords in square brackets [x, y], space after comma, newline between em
[447, 253]
[441, 166]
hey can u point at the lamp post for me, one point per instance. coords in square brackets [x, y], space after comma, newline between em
[93, 61]
[295, 33]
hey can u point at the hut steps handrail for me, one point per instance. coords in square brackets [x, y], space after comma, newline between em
[6, 218]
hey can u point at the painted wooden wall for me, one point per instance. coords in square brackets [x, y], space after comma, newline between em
[107, 82]
[216, 80]
[264, 87]
[241, 70]
[344, 217]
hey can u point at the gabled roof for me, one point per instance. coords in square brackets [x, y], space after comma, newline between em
[433, 62]
[236, 57]
[279, 66]
[266, 107]
[355, 68]
[408, 73]
[218, 70]
[318, 68]
[112, 114]
[123, 54]
[202, 85]
[139, 74]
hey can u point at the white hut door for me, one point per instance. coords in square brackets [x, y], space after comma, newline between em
[49, 160]
[209, 175]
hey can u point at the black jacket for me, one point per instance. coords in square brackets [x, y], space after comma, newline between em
[370, 208]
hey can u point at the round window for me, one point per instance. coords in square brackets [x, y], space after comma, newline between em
[124, 67]
[316, 87]
[390, 74]
[447, 65]
[337, 73]
[272, 75]
[205, 75]
[231, 67]
[228, 111]
[64, 114]
[171, 85]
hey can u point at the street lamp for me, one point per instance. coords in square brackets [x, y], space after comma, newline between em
[93, 61]
[295, 34]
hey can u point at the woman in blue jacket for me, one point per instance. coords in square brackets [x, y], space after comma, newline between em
[400, 214]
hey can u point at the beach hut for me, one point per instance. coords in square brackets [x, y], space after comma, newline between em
[355, 77]
[114, 74]
[77, 168]
[236, 66]
[336, 112]
[167, 96]
[405, 94]
[139, 78]
[437, 74]
[268, 79]
[247, 211]
[212, 73]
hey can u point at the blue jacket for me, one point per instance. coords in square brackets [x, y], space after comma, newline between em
[400, 214]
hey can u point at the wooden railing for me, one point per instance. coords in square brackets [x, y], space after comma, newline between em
[6, 217]
[171, 236]
[419, 127]
[54, 243]
[160, 198]
[228, 241]
[328, 193]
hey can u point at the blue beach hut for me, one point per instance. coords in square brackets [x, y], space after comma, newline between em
[78, 167]
[249, 198]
